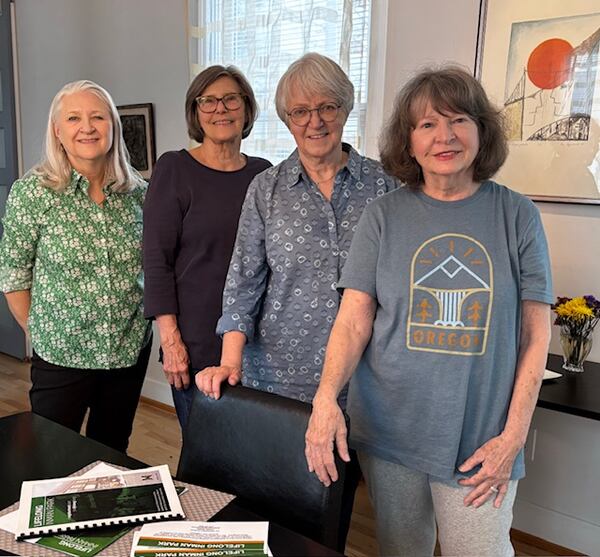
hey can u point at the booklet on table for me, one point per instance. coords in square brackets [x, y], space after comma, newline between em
[121, 498]
[202, 539]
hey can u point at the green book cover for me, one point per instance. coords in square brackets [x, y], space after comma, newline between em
[85, 543]
[52, 510]
[192, 544]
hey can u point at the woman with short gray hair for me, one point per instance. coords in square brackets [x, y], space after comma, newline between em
[314, 74]
[190, 219]
[297, 223]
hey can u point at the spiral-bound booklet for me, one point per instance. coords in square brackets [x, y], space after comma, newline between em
[73, 503]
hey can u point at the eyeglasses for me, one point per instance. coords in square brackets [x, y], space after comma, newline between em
[327, 112]
[209, 103]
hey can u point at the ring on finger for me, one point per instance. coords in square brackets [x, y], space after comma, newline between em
[494, 489]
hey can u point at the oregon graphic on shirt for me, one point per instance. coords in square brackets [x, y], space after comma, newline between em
[451, 292]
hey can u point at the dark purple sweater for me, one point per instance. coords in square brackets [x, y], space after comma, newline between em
[191, 216]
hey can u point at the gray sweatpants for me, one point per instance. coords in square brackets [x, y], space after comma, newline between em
[409, 503]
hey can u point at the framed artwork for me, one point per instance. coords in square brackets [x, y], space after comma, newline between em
[540, 62]
[138, 132]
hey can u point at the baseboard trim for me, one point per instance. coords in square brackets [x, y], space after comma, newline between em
[541, 543]
[157, 404]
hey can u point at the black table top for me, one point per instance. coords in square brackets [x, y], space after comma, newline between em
[573, 393]
[34, 448]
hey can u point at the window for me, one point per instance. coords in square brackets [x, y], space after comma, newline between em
[263, 37]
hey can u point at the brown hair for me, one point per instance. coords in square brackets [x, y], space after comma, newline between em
[201, 82]
[450, 89]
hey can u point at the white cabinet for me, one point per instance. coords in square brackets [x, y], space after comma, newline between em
[559, 500]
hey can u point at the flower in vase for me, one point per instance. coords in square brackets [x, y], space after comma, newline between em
[577, 316]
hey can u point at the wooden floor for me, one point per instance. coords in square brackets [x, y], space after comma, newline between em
[156, 439]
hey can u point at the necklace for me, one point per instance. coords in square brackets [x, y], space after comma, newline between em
[326, 179]
[337, 169]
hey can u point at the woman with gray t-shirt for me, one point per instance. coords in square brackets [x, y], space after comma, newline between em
[445, 325]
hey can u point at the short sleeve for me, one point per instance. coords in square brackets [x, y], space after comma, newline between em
[534, 260]
[360, 270]
[21, 234]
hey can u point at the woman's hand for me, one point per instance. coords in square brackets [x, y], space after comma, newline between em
[326, 426]
[19, 304]
[210, 378]
[496, 458]
[176, 363]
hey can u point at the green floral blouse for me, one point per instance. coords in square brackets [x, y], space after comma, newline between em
[83, 265]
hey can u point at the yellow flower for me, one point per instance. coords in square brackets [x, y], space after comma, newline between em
[576, 309]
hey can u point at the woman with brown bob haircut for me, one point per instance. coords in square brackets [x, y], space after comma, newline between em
[190, 221]
[447, 91]
[444, 326]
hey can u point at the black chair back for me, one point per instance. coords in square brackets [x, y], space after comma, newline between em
[251, 443]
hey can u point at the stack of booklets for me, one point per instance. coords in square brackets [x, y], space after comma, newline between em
[202, 539]
[82, 515]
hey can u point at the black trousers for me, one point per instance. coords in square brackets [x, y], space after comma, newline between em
[64, 394]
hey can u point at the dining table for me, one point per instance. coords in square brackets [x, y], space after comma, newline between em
[35, 448]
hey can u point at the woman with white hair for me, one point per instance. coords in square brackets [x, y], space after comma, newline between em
[297, 222]
[71, 268]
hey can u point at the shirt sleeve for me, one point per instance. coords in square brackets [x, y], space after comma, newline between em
[20, 239]
[248, 270]
[360, 269]
[534, 260]
[163, 218]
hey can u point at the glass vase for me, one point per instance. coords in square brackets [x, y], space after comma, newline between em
[575, 350]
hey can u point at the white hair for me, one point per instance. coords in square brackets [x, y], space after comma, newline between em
[314, 74]
[55, 169]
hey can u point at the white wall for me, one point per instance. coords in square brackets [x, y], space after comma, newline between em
[137, 50]
[573, 233]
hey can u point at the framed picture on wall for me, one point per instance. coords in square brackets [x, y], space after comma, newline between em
[138, 132]
[540, 62]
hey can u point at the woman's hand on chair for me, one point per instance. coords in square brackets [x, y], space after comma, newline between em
[326, 427]
[210, 378]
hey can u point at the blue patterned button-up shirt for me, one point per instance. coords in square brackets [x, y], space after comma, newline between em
[290, 248]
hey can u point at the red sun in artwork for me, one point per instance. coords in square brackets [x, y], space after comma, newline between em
[549, 63]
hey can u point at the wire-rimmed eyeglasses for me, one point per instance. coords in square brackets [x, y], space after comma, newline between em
[327, 112]
[231, 101]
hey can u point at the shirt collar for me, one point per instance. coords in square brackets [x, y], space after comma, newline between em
[80, 182]
[293, 170]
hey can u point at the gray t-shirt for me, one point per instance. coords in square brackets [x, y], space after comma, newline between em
[435, 381]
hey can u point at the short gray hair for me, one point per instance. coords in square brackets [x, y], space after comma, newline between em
[314, 74]
[55, 169]
[201, 82]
